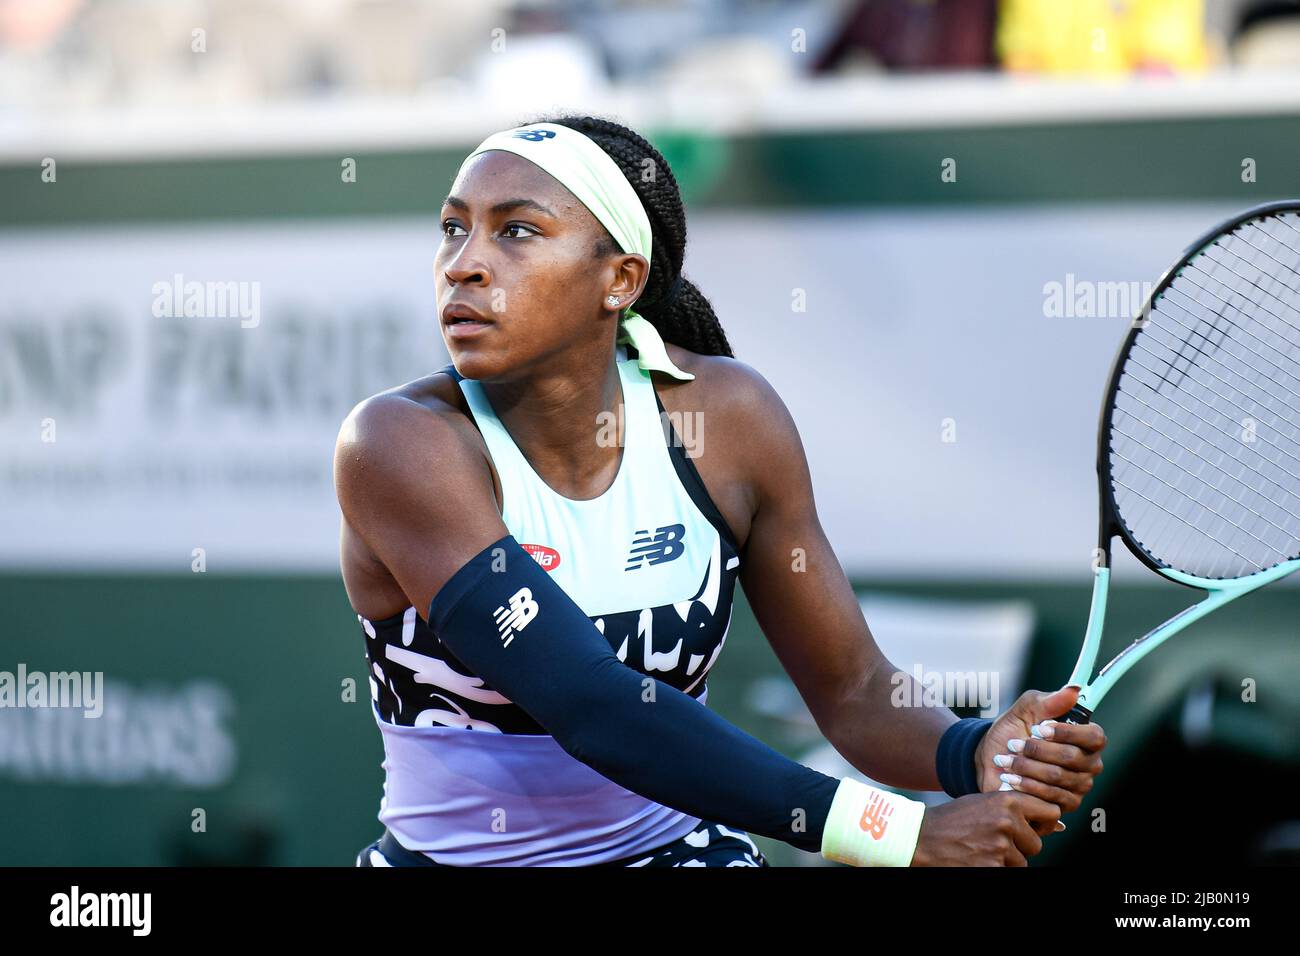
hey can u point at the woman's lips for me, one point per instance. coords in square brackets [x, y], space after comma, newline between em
[466, 328]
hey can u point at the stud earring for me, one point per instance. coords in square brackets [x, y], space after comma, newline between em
[612, 299]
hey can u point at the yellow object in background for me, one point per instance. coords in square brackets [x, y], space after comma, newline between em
[1101, 36]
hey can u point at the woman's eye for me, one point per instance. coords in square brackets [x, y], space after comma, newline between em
[513, 231]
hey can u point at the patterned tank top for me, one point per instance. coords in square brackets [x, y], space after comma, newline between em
[470, 777]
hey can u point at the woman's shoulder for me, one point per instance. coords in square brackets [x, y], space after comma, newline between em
[725, 386]
[427, 402]
[409, 427]
[731, 408]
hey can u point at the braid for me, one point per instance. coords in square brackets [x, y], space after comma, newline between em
[686, 319]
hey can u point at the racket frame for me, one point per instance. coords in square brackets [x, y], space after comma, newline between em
[1111, 525]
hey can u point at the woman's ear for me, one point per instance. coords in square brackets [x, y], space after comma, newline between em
[631, 273]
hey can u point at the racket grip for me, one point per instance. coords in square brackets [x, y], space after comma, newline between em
[1077, 715]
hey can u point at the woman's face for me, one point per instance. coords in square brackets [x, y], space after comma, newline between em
[518, 249]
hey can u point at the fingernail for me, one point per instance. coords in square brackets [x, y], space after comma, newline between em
[1045, 729]
[1016, 746]
[1005, 786]
[1011, 778]
[1003, 760]
[1059, 826]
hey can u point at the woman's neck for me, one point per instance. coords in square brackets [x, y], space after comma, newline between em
[567, 423]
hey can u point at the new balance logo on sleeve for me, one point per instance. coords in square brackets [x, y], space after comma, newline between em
[513, 619]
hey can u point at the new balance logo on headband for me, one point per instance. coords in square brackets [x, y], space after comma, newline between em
[513, 619]
[664, 545]
[535, 135]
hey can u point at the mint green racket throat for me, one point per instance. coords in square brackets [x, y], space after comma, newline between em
[1219, 594]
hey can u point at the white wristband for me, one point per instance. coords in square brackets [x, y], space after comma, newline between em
[871, 827]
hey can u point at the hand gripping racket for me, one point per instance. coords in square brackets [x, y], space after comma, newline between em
[1198, 457]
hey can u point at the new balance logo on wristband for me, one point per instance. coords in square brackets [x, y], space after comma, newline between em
[875, 818]
[867, 826]
[513, 619]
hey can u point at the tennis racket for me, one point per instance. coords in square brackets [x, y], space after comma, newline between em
[1198, 457]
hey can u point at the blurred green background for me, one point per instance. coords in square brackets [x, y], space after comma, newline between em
[307, 780]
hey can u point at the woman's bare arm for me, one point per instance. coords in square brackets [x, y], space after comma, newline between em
[808, 611]
[414, 484]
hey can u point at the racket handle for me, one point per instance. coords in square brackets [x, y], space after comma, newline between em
[1077, 715]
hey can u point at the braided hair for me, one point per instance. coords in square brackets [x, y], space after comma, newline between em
[669, 301]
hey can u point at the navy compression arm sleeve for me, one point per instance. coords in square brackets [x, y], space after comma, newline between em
[513, 626]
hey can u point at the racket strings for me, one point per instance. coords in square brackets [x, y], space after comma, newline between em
[1189, 280]
[1260, 306]
[1178, 517]
[1225, 517]
[1203, 443]
[1254, 393]
[1230, 434]
[1253, 383]
[1206, 483]
[1245, 346]
[1181, 468]
[1278, 504]
[1252, 334]
[1259, 310]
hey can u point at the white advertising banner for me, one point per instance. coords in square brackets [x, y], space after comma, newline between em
[170, 394]
[168, 389]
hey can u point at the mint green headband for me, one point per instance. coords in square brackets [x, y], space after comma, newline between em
[587, 171]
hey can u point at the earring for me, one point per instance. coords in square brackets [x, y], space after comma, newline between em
[612, 299]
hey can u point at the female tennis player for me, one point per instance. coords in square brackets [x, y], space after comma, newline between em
[542, 547]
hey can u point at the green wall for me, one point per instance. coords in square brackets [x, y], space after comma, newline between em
[307, 783]
[1095, 161]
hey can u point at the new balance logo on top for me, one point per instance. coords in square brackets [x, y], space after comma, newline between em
[664, 545]
[513, 619]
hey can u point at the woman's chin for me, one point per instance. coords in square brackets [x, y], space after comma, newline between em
[475, 363]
